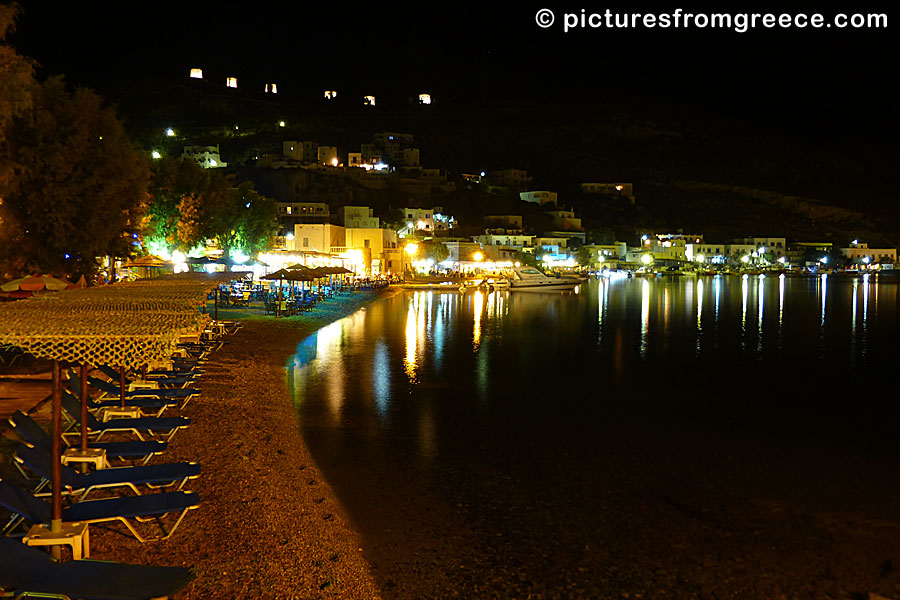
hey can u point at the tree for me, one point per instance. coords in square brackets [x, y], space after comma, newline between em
[180, 190]
[434, 250]
[240, 220]
[585, 256]
[78, 187]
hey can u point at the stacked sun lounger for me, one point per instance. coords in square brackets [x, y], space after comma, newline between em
[133, 484]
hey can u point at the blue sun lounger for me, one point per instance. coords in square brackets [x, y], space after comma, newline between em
[148, 406]
[179, 380]
[32, 433]
[165, 426]
[172, 475]
[111, 389]
[26, 507]
[30, 573]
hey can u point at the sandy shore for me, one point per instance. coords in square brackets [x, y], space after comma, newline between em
[268, 526]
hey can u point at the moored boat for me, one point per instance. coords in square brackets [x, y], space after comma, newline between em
[532, 279]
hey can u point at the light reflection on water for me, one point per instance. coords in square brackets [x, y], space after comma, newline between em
[460, 391]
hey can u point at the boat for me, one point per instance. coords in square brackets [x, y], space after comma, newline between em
[532, 279]
[439, 286]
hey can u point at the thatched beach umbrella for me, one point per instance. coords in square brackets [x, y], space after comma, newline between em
[108, 326]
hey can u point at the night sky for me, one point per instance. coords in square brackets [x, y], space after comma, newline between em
[841, 81]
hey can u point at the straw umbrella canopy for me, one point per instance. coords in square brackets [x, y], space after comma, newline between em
[109, 325]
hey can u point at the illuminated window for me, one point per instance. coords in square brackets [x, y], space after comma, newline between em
[196, 73]
[231, 82]
[330, 94]
[369, 100]
[424, 98]
[271, 88]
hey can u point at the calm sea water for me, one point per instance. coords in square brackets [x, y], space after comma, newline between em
[501, 441]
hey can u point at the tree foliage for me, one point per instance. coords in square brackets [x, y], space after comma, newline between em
[191, 205]
[179, 190]
[240, 219]
[77, 186]
[434, 250]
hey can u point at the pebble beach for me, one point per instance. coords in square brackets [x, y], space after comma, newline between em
[268, 525]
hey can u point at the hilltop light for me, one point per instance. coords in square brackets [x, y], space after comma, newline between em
[281, 123]
[170, 132]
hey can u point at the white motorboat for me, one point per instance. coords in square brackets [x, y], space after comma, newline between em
[532, 279]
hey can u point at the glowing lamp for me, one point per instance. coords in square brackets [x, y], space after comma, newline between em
[646, 259]
[334, 162]
[281, 123]
[478, 256]
[411, 249]
[155, 154]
